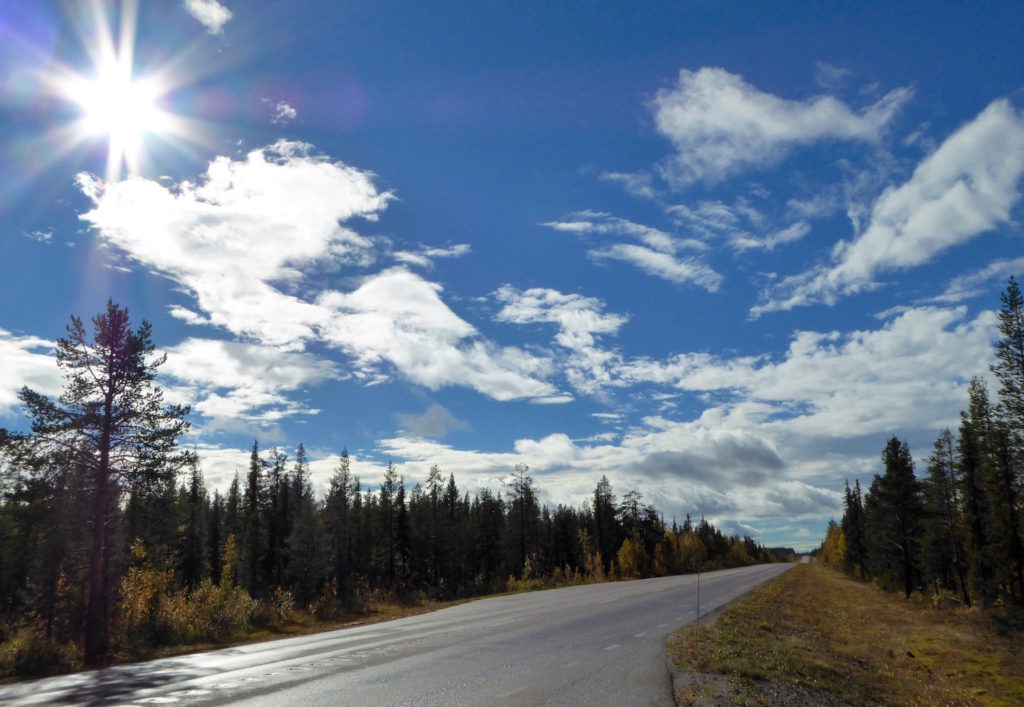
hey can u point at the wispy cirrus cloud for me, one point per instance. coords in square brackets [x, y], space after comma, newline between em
[740, 225]
[639, 184]
[967, 187]
[657, 252]
[425, 256]
[721, 125]
[40, 235]
[973, 284]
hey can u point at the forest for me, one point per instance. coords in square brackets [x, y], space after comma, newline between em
[111, 544]
[958, 529]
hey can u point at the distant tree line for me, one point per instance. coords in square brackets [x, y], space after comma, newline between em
[961, 527]
[109, 535]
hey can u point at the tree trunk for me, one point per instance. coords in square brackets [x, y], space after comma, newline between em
[95, 613]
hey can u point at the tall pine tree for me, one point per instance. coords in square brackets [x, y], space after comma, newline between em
[112, 419]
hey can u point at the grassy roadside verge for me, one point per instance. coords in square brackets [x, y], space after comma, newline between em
[816, 636]
[49, 664]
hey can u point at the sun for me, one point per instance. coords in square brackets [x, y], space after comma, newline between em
[121, 108]
[117, 100]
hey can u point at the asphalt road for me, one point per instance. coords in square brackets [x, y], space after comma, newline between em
[596, 644]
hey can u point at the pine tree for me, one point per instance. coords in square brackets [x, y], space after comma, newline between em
[630, 512]
[111, 417]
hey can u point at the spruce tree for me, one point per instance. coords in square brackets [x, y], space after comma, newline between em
[943, 535]
[893, 516]
[338, 511]
[435, 489]
[1009, 364]
[853, 530]
[974, 457]
[193, 561]
[252, 524]
[388, 489]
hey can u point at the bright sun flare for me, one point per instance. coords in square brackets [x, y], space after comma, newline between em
[114, 103]
[123, 109]
[117, 106]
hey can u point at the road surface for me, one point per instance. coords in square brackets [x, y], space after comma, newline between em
[595, 644]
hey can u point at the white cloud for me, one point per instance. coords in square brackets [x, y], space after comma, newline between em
[910, 374]
[397, 317]
[680, 467]
[27, 361]
[220, 464]
[741, 225]
[579, 319]
[656, 254]
[230, 382]
[790, 234]
[244, 239]
[210, 13]
[663, 265]
[246, 225]
[587, 222]
[40, 235]
[638, 184]
[425, 256]
[720, 125]
[973, 284]
[775, 444]
[829, 76]
[283, 114]
[967, 187]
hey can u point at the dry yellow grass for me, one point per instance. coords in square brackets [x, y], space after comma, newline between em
[816, 636]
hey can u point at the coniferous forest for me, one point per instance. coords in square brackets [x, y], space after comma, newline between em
[957, 528]
[111, 544]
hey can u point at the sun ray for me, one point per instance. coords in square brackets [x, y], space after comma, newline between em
[115, 101]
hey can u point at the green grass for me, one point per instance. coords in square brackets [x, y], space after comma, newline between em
[814, 635]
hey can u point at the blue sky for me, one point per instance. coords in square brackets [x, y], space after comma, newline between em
[717, 251]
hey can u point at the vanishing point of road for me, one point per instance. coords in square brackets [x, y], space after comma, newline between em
[596, 644]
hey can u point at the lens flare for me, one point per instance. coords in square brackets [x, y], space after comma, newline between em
[122, 109]
[115, 100]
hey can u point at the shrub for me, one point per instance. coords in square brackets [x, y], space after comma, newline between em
[27, 653]
[208, 613]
